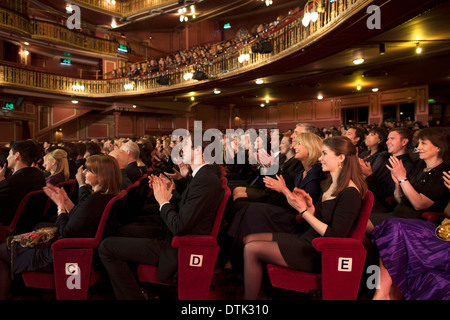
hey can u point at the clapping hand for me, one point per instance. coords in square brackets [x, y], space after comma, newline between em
[183, 173]
[447, 179]
[300, 200]
[161, 193]
[57, 195]
[398, 172]
[278, 184]
[365, 167]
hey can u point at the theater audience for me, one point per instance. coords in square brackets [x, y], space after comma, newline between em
[425, 191]
[333, 216]
[24, 179]
[414, 262]
[57, 165]
[275, 214]
[103, 176]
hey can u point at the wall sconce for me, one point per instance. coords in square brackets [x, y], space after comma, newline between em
[313, 15]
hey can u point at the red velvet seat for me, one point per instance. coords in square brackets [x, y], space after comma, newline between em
[29, 212]
[342, 264]
[73, 261]
[197, 255]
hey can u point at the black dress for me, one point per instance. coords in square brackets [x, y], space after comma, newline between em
[81, 222]
[339, 214]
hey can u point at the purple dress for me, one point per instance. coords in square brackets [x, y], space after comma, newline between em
[418, 262]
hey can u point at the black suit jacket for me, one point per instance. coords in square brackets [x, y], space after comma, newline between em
[14, 188]
[194, 215]
[133, 171]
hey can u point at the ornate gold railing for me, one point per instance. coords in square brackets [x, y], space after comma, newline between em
[51, 31]
[124, 8]
[285, 39]
[60, 33]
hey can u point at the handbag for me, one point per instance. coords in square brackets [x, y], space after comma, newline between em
[33, 238]
[443, 230]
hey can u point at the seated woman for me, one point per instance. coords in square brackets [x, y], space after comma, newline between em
[74, 221]
[333, 216]
[413, 260]
[57, 164]
[426, 190]
[376, 153]
[277, 215]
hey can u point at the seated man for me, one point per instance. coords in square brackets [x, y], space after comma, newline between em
[194, 214]
[24, 179]
[133, 171]
[122, 158]
[380, 181]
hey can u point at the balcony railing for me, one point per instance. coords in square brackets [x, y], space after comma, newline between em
[125, 8]
[285, 39]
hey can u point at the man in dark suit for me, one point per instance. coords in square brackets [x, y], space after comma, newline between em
[132, 149]
[24, 179]
[193, 215]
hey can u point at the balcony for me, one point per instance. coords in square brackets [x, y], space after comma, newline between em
[285, 39]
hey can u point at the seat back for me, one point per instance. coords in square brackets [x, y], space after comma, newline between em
[108, 222]
[130, 203]
[197, 255]
[342, 263]
[223, 204]
[360, 225]
[29, 212]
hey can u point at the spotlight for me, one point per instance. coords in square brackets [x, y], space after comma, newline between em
[418, 48]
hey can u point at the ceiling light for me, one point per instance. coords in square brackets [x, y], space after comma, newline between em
[262, 105]
[267, 100]
[358, 88]
[74, 101]
[418, 48]
[320, 97]
[358, 60]
[134, 106]
[243, 57]
[26, 43]
[306, 19]
[113, 24]
[216, 91]
[382, 48]
[192, 98]
[187, 76]
[69, 8]
[375, 90]
[259, 81]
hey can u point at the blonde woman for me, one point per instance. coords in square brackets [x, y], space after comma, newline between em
[262, 217]
[57, 164]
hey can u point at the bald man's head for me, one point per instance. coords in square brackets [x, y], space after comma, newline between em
[121, 157]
